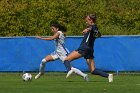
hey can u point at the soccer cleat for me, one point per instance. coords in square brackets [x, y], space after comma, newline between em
[38, 75]
[69, 73]
[86, 77]
[110, 78]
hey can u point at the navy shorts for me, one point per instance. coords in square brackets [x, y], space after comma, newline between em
[86, 51]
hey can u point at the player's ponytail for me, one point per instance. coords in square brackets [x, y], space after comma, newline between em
[63, 28]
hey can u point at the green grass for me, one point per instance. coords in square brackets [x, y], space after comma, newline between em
[56, 83]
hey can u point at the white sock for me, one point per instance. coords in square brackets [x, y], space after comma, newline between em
[42, 66]
[79, 72]
[69, 73]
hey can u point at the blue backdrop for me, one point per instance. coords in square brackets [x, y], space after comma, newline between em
[112, 53]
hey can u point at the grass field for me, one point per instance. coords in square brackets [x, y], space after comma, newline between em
[56, 83]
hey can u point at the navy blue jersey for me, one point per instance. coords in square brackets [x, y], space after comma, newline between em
[90, 36]
[87, 44]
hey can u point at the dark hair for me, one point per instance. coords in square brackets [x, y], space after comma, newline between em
[63, 28]
[60, 27]
[92, 17]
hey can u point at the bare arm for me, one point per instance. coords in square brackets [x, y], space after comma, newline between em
[49, 38]
[86, 30]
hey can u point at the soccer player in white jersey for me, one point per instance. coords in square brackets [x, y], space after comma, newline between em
[60, 52]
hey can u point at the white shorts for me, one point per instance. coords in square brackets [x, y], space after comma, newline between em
[58, 55]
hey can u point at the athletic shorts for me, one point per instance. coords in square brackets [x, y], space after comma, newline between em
[58, 55]
[85, 51]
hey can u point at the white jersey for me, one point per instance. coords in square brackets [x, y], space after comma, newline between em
[60, 51]
[59, 42]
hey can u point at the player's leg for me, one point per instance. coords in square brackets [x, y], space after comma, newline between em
[95, 71]
[90, 64]
[77, 71]
[72, 56]
[69, 58]
[43, 64]
[80, 73]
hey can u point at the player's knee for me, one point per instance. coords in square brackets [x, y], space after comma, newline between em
[43, 61]
[67, 59]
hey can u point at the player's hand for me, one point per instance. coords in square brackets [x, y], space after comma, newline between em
[85, 30]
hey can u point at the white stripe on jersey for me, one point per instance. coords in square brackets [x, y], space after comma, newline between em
[88, 37]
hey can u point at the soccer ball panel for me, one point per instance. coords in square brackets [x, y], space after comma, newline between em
[27, 77]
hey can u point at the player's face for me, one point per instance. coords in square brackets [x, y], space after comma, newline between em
[88, 20]
[54, 29]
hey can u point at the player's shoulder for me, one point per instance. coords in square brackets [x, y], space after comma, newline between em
[94, 28]
[60, 32]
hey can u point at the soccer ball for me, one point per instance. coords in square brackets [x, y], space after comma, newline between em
[27, 77]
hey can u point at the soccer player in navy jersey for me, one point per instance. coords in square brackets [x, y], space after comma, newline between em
[86, 50]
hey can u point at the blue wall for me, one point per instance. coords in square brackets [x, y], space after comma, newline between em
[112, 53]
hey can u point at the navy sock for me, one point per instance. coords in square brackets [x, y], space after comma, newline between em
[67, 65]
[99, 72]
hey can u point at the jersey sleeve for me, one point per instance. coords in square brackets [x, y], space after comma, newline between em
[60, 33]
[96, 31]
